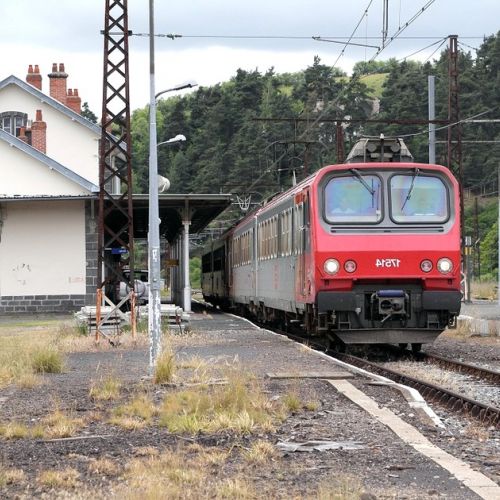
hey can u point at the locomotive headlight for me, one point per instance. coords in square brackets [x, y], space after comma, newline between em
[331, 266]
[426, 266]
[350, 266]
[444, 266]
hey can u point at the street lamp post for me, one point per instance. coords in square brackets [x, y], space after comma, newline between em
[154, 305]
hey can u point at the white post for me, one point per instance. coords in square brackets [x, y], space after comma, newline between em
[154, 305]
[187, 284]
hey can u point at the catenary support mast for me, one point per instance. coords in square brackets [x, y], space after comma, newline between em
[116, 231]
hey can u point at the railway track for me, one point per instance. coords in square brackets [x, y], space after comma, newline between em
[460, 367]
[485, 414]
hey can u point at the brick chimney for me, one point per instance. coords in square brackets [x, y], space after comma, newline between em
[58, 83]
[34, 77]
[74, 101]
[39, 133]
[22, 135]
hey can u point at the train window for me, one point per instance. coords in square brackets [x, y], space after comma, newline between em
[298, 228]
[353, 199]
[418, 198]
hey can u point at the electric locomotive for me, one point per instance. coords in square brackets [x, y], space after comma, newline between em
[363, 252]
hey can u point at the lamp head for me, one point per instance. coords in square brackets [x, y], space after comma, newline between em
[163, 184]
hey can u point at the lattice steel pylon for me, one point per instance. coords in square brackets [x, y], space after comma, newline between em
[116, 229]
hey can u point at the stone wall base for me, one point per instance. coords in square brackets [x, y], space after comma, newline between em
[41, 304]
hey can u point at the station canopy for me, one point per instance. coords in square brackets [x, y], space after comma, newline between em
[202, 209]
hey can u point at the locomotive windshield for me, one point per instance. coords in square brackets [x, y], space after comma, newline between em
[418, 198]
[354, 198]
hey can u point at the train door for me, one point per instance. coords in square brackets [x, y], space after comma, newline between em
[229, 268]
[298, 228]
[255, 259]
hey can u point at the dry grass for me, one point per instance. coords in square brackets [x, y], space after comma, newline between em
[60, 425]
[136, 414]
[15, 430]
[54, 425]
[66, 479]
[484, 290]
[165, 367]
[10, 476]
[339, 488]
[292, 401]
[104, 467]
[106, 389]
[260, 452]
[28, 349]
[146, 451]
[152, 477]
[477, 432]
[186, 473]
[238, 488]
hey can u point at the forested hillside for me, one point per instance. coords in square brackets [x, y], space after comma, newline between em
[242, 136]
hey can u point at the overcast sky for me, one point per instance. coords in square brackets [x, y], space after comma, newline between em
[46, 31]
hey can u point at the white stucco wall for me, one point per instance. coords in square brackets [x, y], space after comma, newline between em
[22, 175]
[42, 248]
[70, 143]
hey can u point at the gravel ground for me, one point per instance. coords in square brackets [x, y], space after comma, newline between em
[378, 466]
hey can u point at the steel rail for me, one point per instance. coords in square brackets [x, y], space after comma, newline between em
[460, 367]
[488, 415]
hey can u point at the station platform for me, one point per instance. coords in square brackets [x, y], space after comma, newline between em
[362, 424]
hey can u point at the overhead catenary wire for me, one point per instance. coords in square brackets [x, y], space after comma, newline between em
[365, 12]
[437, 48]
[426, 131]
[175, 36]
[402, 28]
[468, 46]
[440, 42]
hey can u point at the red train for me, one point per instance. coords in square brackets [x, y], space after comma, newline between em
[363, 252]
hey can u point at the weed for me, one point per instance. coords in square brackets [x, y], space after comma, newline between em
[146, 451]
[141, 406]
[136, 414]
[15, 430]
[10, 476]
[47, 359]
[59, 425]
[292, 402]
[67, 478]
[339, 488]
[260, 452]
[128, 423]
[165, 367]
[484, 290]
[240, 406]
[106, 390]
[104, 467]
[311, 405]
[235, 488]
[477, 432]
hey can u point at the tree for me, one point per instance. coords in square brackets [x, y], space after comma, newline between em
[87, 113]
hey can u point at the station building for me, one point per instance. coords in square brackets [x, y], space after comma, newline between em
[49, 187]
